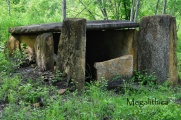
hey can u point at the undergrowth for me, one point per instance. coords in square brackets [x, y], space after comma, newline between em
[93, 103]
[19, 98]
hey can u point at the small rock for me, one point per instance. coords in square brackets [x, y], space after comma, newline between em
[113, 84]
[36, 105]
[54, 67]
[62, 91]
[55, 58]
[178, 101]
[33, 65]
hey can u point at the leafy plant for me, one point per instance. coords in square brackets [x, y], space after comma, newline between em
[144, 78]
[8, 89]
[58, 76]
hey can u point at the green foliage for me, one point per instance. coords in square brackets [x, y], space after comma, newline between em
[103, 83]
[9, 63]
[32, 93]
[58, 77]
[9, 88]
[144, 78]
[116, 77]
[4, 63]
[94, 103]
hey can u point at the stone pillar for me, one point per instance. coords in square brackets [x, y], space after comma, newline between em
[157, 41]
[44, 51]
[71, 51]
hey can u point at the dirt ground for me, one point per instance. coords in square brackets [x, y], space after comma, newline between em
[31, 72]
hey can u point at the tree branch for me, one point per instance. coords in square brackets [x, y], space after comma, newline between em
[132, 11]
[103, 10]
[87, 9]
[164, 6]
[156, 10]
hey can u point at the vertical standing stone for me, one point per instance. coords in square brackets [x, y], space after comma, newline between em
[157, 47]
[44, 51]
[71, 51]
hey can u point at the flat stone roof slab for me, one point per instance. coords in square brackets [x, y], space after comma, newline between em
[91, 25]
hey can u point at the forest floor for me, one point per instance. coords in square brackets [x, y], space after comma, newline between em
[32, 72]
[27, 92]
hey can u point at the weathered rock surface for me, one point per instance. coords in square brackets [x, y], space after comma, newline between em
[31, 53]
[157, 47]
[44, 50]
[62, 91]
[15, 42]
[122, 66]
[91, 25]
[29, 40]
[12, 45]
[71, 51]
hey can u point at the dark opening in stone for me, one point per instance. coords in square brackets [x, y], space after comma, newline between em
[102, 46]
[56, 38]
[105, 45]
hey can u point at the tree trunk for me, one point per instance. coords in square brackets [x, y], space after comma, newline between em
[63, 9]
[164, 7]
[127, 11]
[44, 51]
[9, 7]
[103, 9]
[71, 51]
[156, 10]
[132, 11]
[174, 9]
[85, 7]
[137, 9]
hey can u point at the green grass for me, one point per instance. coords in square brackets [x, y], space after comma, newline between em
[93, 103]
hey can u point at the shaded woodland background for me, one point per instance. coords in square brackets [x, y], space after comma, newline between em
[24, 12]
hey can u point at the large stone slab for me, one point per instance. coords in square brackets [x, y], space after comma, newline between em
[71, 51]
[44, 51]
[91, 25]
[122, 66]
[157, 41]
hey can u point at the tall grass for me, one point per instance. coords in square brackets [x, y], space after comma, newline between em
[94, 103]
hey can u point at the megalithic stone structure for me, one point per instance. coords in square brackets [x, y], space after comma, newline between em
[71, 51]
[157, 44]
